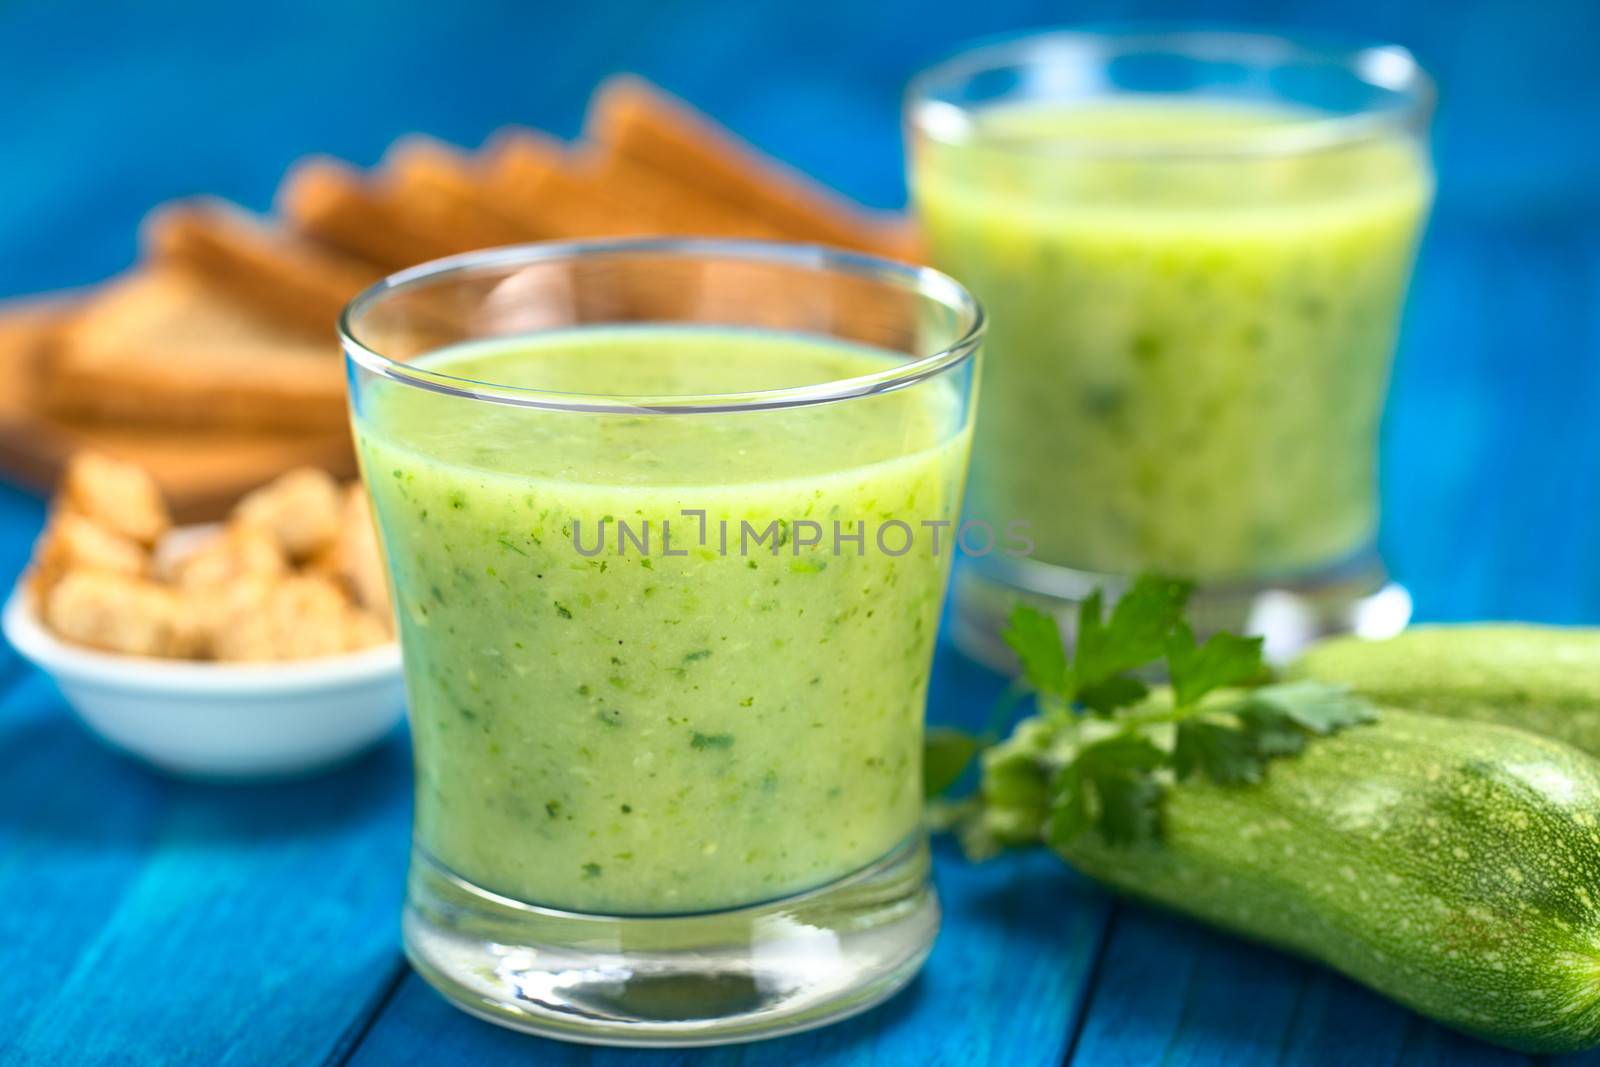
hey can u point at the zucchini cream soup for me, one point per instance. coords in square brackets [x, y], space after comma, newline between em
[1190, 339]
[664, 663]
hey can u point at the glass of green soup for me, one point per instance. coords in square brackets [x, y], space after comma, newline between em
[668, 526]
[1194, 248]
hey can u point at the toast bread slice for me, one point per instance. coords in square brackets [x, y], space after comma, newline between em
[165, 346]
[274, 270]
[634, 122]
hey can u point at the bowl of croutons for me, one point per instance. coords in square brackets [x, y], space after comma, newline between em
[257, 647]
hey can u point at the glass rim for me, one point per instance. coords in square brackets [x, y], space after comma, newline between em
[923, 281]
[1389, 67]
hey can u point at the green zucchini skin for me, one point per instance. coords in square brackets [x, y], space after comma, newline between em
[1542, 678]
[1452, 866]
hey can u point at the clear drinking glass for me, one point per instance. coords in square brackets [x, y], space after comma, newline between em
[1194, 247]
[662, 521]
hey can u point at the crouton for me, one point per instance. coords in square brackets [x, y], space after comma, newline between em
[72, 543]
[300, 509]
[119, 613]
[240, 549]
[120, 496]
[298, 617]
[363, 629]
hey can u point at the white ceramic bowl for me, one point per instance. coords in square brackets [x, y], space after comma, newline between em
[220, 720]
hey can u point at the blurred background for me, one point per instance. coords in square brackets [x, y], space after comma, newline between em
[1492, 462]
[1491, 480]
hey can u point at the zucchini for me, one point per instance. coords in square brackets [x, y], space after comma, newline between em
[1542, 678]
[1453, 866]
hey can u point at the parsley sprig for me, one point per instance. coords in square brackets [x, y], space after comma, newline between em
[1103, 747]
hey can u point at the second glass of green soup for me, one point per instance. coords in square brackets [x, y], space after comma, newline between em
[667, 527]
[1194, 248]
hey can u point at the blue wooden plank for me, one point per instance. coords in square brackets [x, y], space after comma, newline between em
[1492, 452]
[1431, 1046]
[1167, 993]
[1577, 1059]
[1535, 491]
[1439, 432]
[182, 923]
[1170, 991]
[1339, 1024]
[21, 516]
[65, 850]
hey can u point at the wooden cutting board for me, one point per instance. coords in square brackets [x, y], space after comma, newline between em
[202, 472]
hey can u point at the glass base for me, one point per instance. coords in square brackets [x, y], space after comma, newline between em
[1354, 595]
[680, 980]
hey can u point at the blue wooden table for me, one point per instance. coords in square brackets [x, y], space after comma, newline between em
[144, 920]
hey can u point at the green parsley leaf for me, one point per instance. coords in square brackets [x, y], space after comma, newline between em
[1036, 639]
[1275, 733]
[1136, 633]
[1116, 692]
[1130, 807]
[1268, 722]
[1220, 721]
[946, 752]
[1226, 754]
[1069, 808]
[1122, 752]
[1119, 771]
[1014, 778]
[1318, 706]
[1224, 660]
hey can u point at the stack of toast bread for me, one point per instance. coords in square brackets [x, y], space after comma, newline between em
[213, 361]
